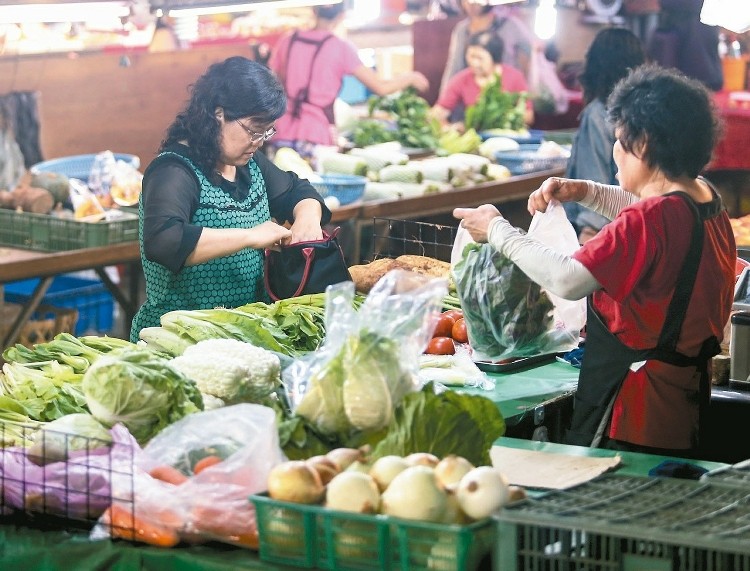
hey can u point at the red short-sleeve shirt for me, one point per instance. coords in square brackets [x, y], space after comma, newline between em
[637, 258]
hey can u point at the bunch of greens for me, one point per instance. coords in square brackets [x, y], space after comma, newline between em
[507, 314]
[414, 127]
[443, 423]
[371, 132]
[496, 109]
[290, 327]
[140, 389]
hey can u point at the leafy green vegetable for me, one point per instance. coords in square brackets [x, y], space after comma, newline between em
[414, 127]
[139, 389]
[496, 109]
[506, 313]
[442, 424]
[370, 132]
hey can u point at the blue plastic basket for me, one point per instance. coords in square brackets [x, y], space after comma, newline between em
[345, 187]
[91, 298]
[523, 162]
[79, 166]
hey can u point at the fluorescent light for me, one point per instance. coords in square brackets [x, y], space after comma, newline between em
[545, 19]
[227, 8]
[729, 15]
[73, 12]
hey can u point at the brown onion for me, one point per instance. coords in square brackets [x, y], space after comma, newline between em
[295, 481]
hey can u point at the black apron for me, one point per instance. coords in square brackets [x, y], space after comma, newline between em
[606, 360]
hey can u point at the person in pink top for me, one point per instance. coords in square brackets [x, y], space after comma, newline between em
[484, 54]
[311, 65]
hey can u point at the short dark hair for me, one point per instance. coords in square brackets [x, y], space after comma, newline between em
[491, 42]
[612, 54]
[242, 88]
[329, 11]
[673, 115]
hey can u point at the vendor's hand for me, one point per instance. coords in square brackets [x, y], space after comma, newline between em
[477, 220]
[270, 235]
[562, 189]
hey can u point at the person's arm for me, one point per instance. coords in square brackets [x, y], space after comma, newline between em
[604, 199]
[170, 198]
[561, 275]
[295, 200]
[380, 86]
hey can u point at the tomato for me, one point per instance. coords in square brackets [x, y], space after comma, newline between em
[456, 314]
[459, 332]
[440, 346]
[444, 326]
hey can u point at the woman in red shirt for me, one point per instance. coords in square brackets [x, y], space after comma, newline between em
[484, 56]
[659, 277]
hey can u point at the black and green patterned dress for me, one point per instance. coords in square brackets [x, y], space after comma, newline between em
[170, 228]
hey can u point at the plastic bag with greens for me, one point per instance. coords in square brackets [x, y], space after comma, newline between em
[507, 314]
[370, 358]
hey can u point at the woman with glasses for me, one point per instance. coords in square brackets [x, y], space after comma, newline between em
[211, 203]
[659, 277]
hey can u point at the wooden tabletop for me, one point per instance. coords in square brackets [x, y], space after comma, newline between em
[18, 264]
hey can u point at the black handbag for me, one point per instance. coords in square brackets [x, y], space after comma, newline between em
[305, 267]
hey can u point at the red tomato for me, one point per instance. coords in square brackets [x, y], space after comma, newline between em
[456, 314]
[444, 326]
[440, 346]
[459, 332]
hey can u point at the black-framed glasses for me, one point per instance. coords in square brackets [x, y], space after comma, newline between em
[258, 137]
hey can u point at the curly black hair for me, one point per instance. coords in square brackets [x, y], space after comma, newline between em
[673, 117]
[491, 42]
[238, 85]
[612, 54]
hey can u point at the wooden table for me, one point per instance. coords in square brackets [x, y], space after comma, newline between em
[516, 188]
[18, 264]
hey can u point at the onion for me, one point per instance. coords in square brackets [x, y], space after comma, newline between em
[453, 513]
[482, 492]
[285, 530]
[386, 468]
[451, 469]
[295, 481]
[415, 494]
[359, 466]
[344, 457]
[353, 492]
[422, 459]
[325, 467]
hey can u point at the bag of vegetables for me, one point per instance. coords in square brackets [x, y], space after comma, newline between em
[506, 313]
[370, 358]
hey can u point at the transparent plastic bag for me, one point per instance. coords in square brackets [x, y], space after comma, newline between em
[243, 445]
[507, 314]
[86, 205]
[370, 358]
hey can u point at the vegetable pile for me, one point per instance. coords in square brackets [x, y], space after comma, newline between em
[496, 109]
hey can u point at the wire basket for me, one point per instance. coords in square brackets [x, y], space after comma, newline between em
[346, 188]
[392, 238]
[618, 522]
[61, 480]
[528, 161]
[79, 166]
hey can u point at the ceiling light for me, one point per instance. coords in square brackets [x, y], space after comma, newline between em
[69, 12]
[247, 7]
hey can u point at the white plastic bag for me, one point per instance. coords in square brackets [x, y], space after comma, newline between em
[544, 82]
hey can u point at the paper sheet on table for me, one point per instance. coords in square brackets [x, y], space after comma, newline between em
[534, 469]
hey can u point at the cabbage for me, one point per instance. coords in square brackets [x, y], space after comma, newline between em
[55, 440]
[139, 389]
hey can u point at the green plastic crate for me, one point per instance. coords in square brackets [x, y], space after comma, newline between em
[628, 523]
[315, 537]
[48, 233]
[736, 475]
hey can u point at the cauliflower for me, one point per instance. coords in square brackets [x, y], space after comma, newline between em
[230, 370]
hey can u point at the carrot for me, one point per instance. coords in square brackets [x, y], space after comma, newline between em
[124, 524]
[168, 474]
[206, 462]
[224, 524]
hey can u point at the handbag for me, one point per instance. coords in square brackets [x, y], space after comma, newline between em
[305, 267]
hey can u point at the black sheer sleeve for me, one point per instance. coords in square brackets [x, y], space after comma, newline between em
[170, 198]
[285, 190]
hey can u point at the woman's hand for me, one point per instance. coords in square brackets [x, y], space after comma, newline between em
[269, 235]
[419, 81]
[561, 189]
[477, 220]
[306, 230]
